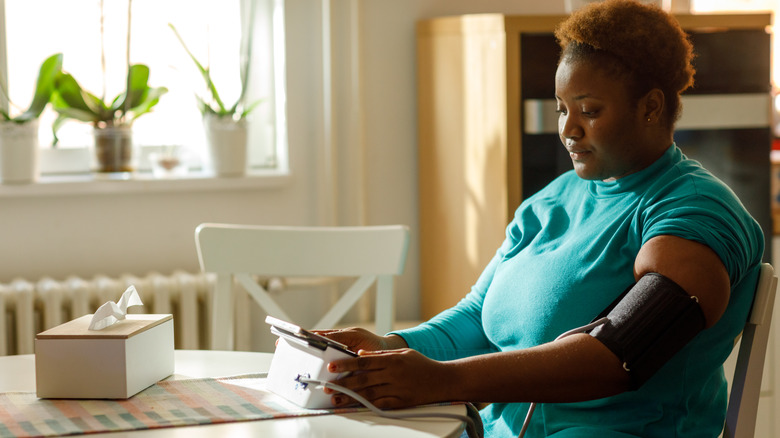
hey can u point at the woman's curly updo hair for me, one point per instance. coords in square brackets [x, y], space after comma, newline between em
[636, 42]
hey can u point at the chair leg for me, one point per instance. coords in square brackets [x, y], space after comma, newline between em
[222, 320]
[385, 305]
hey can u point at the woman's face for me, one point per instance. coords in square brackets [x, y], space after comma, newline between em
[599, 124]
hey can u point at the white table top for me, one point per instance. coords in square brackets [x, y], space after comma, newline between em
[17, 373]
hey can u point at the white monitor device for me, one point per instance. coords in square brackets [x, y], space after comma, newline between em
[301, 353]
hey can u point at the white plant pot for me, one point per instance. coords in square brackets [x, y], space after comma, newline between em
[226, 141]
[19, 152]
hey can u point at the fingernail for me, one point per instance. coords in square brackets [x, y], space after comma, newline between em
[331, 368]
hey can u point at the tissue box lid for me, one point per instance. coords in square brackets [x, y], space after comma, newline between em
[123, 329]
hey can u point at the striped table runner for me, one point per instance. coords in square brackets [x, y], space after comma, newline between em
[168, 403]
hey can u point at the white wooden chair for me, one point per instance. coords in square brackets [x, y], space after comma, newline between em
[746, 385]
[371, 253]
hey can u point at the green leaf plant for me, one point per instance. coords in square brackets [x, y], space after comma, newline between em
[215, 106]
[73, 102]
[50, 69]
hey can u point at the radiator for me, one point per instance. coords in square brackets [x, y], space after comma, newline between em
[28, 308]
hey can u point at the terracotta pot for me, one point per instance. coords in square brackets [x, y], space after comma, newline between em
[226, 140]
[113, 149]
[19, 152]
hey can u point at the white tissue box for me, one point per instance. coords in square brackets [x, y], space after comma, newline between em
[113, 363]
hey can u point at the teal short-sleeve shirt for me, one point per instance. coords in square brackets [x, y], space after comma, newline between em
[568, 253]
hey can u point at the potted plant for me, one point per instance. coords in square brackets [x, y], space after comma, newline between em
[112, 121]
[19, 134]
[225, 126]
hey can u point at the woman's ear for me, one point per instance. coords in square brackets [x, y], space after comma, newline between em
[651, 106]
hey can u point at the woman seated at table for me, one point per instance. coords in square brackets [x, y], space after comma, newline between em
[635, 216]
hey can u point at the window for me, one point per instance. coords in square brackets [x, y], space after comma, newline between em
[212, 30]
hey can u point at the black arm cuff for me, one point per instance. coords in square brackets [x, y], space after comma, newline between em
[649, 324]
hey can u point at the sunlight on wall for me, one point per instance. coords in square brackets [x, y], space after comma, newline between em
[732, 5]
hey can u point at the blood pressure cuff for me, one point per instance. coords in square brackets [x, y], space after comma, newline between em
[648, 324]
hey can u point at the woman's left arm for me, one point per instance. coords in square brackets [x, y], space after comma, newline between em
[693, 266]
[575, 368]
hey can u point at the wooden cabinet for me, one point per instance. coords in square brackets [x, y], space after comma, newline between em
[477, 76]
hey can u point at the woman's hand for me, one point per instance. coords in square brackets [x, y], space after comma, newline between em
[393, 379]
[361, 339]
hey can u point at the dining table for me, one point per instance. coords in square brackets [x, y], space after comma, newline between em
[17, 374]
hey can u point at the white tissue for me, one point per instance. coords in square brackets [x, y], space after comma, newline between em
[111, 312]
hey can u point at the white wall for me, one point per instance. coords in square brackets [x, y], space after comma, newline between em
[138, 233]
[390, 115]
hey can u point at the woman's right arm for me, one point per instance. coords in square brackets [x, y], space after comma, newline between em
[454, 333]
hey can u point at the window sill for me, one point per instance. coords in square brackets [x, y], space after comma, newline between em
[142, 182]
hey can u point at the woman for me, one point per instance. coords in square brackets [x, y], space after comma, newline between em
[634, 207]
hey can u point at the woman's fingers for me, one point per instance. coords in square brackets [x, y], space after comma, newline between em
[366, 361]
[354, 338]
[391, 378]
[382, 377]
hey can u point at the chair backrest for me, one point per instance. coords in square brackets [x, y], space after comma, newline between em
[370, 253]
[746, 385]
